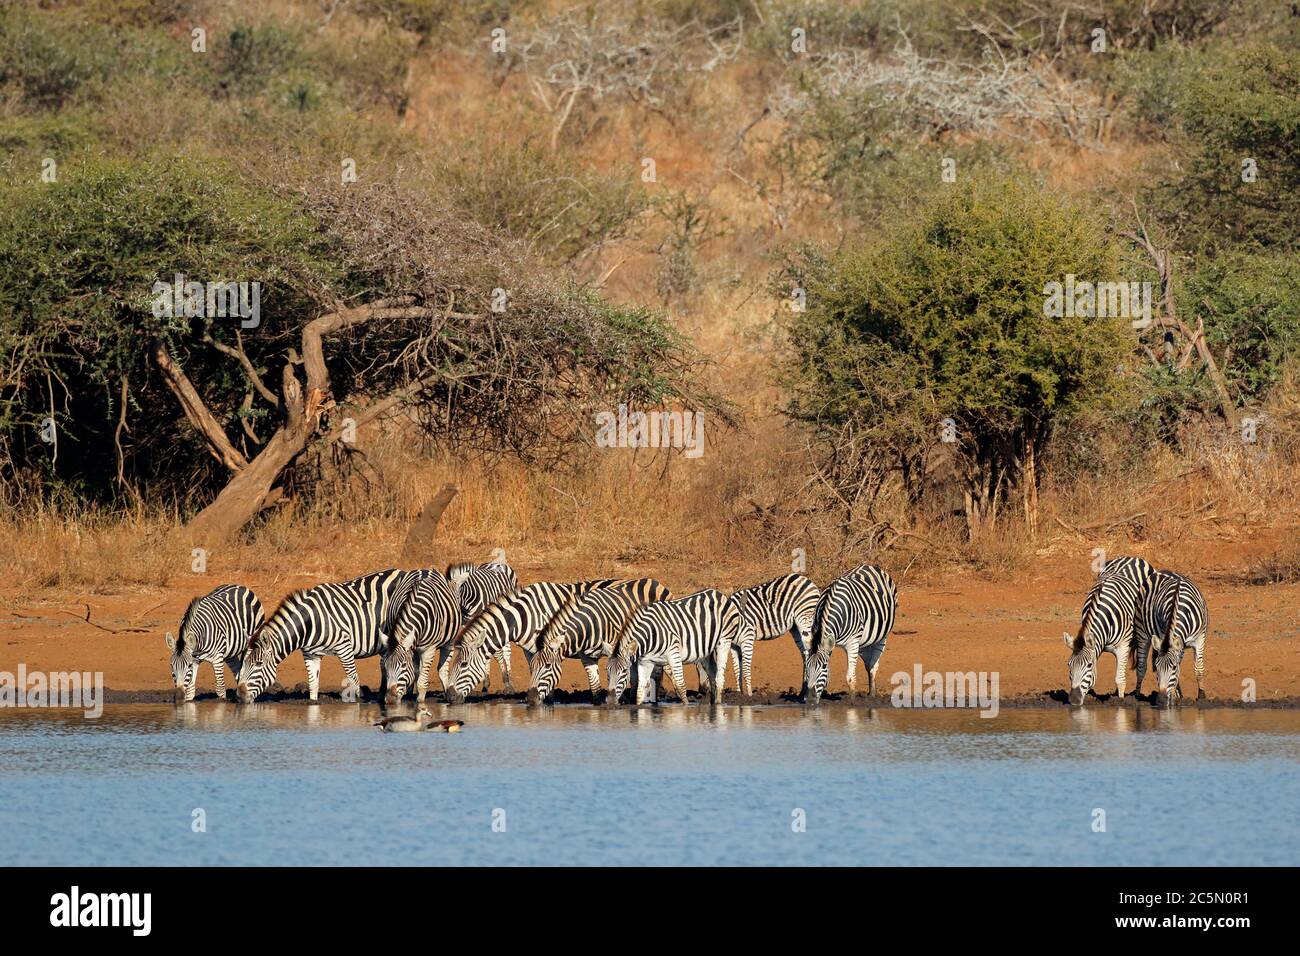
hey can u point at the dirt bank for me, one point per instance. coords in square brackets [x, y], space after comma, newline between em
[962, 623]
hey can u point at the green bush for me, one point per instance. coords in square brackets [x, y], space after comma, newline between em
[1236, 107]
[944, 318]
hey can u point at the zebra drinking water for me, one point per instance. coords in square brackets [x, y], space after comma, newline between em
[587, 628]
[515, 618]
[698, 628]
[475, 586]
[1107, 626]
[1176, 616]
[856, 612]
[1141, 574]
[215, 628]
[784, 605]
[349, 621]
[428, 622]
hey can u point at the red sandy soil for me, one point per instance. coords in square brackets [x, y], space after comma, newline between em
[963, 622]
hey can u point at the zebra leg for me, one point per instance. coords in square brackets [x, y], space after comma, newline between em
[852, 675]
[503, 660]
[645, 685]
[234, 664]
[351, 680]
[191, 680]
[1121, 668]
[444, 665]
[734, 660]
[593, 677]
[720, 670]
[871, 655]
[313, 677]
[422, 677]
[1199, 647]
[1143, 651]
[675, 672]
[218, 668]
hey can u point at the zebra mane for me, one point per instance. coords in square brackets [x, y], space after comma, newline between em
[459, 569]
[1173, 614]
[266, 627]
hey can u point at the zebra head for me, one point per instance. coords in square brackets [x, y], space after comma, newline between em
[183, 664]
[258, 670]
[399, 668]
[1166, 668]
[469, 665]
[546, 669]
[620, 664]
[1082, 667]
[816, 670]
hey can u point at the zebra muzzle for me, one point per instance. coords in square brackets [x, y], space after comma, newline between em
[1076, 697]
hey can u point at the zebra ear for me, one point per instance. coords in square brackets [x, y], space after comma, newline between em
[171, 642]
[1069, 639]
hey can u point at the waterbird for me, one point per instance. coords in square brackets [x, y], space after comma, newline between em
[404, 721]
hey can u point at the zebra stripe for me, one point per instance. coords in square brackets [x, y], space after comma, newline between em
[784, 605]
[1176, 615]
[350, 620]
[856, 612]
[428, 622]
[475, 587]
[516, 618]
[1142, 575]
[587, 627]
[216, 628]
[1106, 627]
[698, 628]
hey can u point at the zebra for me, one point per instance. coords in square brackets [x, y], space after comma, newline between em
[1177, 618]
[428, 622]
[1141, 574]
[350, 620]
[587, 627]
[698, 628]
[1106, 626]
[215, 628]
[856, 612]
[475, 586]
[784, 605]
[515, 618]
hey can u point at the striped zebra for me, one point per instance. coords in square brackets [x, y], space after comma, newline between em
[350, 620]
[1106, 626]
[784, 605]
[215, 628]
[515, 618]
[587, 627]
[856, 612]
[1177, 618]
[428, 623]
[1141, 574]
[698, 628]
[475, 587]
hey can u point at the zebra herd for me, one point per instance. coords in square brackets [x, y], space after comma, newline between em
[471, 615]
[1132, 611]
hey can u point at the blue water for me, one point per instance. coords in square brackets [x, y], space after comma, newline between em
[302, 785]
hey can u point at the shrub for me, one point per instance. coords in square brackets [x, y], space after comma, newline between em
[945, 319]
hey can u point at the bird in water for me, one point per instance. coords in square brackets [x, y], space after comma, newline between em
[405, 722]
